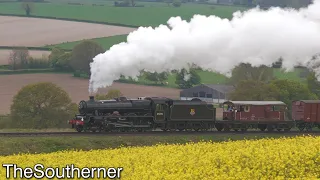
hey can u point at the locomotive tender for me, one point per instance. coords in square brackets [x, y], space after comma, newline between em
[150, 113]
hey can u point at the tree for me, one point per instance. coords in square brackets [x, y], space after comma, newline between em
[251, 90]
[291, 90]
[247, 72]
[42, 105]
[18, 58]
[59, 59]
[112, 93]
[83, 54]
[313, 84]
[187, 80]
[156, 77]
[28, 7]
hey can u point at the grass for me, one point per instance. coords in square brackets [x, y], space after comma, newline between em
[151, 15]
[9, 130]
[14, 145]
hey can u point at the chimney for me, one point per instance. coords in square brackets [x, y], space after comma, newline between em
[91, 98]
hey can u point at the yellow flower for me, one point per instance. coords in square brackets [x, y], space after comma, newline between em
[284, 158]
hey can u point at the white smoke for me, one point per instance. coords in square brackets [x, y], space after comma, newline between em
[256, 36]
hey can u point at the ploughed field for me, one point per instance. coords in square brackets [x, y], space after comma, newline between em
[76, 88]
[20, 31]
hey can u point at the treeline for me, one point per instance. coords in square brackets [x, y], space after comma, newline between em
[259, 84]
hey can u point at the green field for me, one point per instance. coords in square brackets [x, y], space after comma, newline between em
[152, 14]
[105, 42]
[208, 77]
[14, 145]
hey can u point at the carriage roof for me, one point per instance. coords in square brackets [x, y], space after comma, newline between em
[255, 103]
[308, 101]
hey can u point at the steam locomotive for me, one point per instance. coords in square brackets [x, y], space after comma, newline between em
[150, 113]
[143, 114]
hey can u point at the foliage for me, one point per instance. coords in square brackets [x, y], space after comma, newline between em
[38, 63]
[313, 84]
[83, 54]
[186, 79]
[41, 105]
[292, 90]
[59, 59]
[156, 77]
[247, 72]
[251, 90]
[283, 158]
[20, 59]
[112, 93]
[281, 90]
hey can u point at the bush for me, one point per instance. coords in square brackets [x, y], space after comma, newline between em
[38, 63]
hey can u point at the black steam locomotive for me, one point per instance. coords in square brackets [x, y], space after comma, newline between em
[144, 114]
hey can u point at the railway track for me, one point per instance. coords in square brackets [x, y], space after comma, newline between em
[152, 133]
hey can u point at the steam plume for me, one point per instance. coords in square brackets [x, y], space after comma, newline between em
[256, 36]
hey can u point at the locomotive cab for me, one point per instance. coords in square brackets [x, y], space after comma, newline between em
[160, 108]
[160, 112]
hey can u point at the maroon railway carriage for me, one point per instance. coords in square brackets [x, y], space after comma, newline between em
[243, 115]
[306, 114]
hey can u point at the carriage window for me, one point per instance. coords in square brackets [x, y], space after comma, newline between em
[195, 95]
[209, 95]
[275, 108]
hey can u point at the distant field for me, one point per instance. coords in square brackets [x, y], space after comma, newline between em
[22, 31]
[151, 15]
[215, 78]
[105, 42]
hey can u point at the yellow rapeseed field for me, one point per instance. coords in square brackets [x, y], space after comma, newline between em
[285, 158]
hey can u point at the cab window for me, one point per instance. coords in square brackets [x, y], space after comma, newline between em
[160, 107]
